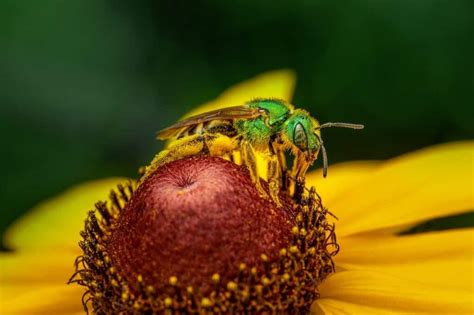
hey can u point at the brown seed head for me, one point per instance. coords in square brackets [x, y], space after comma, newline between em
[195, 237]
[196, 217]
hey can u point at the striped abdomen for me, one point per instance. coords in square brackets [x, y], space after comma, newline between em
[224, 127]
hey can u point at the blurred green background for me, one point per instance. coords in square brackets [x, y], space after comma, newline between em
[85, 84]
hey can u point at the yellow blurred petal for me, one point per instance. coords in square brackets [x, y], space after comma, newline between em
[341, 177]
[435, 259]
[336, 307]
[384, 294]
[34, 282]
[275, 84]
[433, 182]
[37, 267]
[40, 299]
[57, 222]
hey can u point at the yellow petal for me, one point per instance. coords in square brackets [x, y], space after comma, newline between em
[34, 282]
[429, 183]
[40, 299]
[275, 84]
[37, 267]
[435, 259]
[384, 294]
[57, 222]
[336, 307]
[341, 177]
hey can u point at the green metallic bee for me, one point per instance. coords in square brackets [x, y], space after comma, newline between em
[268, 126]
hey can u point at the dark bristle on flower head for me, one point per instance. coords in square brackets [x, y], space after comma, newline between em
[195, 237]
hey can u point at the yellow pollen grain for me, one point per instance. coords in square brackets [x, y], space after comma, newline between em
[265, 281]
[189, 290]
[205, 302]
[216, 277]
[173, 280]
[150, 289]
[124, 296]
[231, 286]
[264, 257]
[283, 252]
[242, 266]
[168, 302]
[293, 249]
[295, 230]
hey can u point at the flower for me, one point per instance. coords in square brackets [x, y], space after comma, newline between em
[195, 236]
[377, 269]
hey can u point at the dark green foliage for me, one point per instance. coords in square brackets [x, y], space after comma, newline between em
[85, 84]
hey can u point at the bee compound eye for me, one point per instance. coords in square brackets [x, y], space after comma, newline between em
[299, 137]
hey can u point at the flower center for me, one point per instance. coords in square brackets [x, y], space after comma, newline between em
[195, 218]
[196, 237]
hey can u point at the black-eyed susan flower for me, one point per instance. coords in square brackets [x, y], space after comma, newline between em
[225, 249]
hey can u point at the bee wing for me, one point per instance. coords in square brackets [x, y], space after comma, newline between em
[226, 113]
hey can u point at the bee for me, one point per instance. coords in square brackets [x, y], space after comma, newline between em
[270, 127]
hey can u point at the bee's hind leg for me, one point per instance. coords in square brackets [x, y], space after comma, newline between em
[249, 159]
[184, 147]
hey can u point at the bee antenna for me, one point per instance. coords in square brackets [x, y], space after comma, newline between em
[341, 125]
[325, 156]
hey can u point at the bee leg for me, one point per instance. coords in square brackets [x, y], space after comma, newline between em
[280, 154]
[300, 166]
[274, 179]
[187, 146]
[249, 159]
[236, 157]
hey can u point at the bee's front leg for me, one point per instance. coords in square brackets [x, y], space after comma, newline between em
[249, 159]
[299, 169]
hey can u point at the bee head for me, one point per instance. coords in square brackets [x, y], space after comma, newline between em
[304, 134]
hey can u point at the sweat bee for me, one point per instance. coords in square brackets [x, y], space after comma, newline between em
[268, 126]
